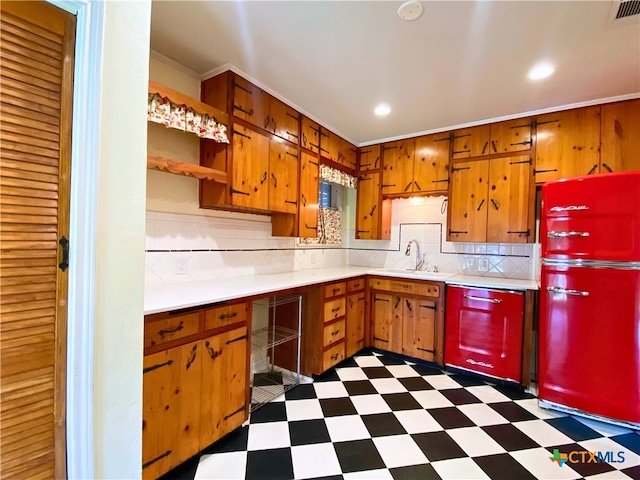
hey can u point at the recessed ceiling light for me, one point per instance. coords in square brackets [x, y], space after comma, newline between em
[410, 10]
[382, 109]
[540, 71]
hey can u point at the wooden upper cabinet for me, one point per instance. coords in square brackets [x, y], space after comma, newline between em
[283, 178]
[511, 136]
[348, 154]
[509, 200]
[620, 137]
[330, 145]
[472, 142]
[567, 144]
[369, 158]
[397, 167]
[310, 135]
[368, 206]
[250, 103]
[285, 121]
[249, 180]
[431, 163]
[468, 202]
[308, 198]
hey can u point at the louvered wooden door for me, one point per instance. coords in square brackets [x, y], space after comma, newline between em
[37, 42]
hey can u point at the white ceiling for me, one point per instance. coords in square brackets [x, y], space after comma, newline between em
[460, 62]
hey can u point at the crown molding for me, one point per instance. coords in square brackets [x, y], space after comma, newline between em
[173, 64]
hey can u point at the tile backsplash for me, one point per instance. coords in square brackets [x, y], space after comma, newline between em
[183, 248]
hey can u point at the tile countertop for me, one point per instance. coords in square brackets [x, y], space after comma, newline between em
[169, 297]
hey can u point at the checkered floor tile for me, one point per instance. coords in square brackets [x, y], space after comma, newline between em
[377, 416]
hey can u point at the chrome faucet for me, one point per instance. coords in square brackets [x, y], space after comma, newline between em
[419, 258]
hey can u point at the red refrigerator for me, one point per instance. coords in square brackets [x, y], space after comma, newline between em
[589, 333]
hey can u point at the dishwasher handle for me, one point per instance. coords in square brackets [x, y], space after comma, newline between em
[483, 299]
[564, 291]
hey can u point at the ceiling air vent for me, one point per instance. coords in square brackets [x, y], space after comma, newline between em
[624, 11]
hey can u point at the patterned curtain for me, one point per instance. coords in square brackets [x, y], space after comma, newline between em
[329, 228]
[163, 111]
[333, 175]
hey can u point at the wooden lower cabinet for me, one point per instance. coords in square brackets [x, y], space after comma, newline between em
[408, 317]
[356, 308]
[170, 418]
[194, 393]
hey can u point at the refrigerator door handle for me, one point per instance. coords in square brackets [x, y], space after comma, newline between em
[483, 299]
[567, 234]
[578, 293]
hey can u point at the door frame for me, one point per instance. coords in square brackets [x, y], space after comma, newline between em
[82, 250]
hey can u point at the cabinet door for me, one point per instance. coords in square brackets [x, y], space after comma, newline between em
[368, 207]
[308, 210]
[310, 135]
[397, 167]
[355, 323]
[283, 178]
[329, 145]
[285, 121]
[250, 103]
[348, 154]
[620, 137]
[471, 142]
[249, 185]
[418, 328]
[224, 384]
[509, 199]
[387, 322]
[170, 408]
[567, 144]
[431, 164]
[369, 158]
[468, 202]
[511, 136]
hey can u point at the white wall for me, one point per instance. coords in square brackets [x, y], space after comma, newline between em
[120, 242]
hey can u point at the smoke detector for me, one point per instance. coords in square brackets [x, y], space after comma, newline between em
[410, 10]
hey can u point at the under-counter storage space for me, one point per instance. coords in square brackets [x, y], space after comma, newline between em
[488, 332]
[194, 383]
[407, 317]
[333, 325]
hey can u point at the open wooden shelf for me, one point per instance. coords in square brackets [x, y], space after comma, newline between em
[183, 168]
[181, 99]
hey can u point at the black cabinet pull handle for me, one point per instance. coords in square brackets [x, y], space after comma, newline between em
[226, 316]
[192, 356]
[155, 367]
[397, 302]
[275, 125]
[535, 172]
[163, 332]
[417, 186]
[304, 139]
[495, 204]
[264, 178]
[64, 243]
[247, 112]
[236, 132]
[212, 353]
[237, 85]
[304, 200]
[362, 231]
[294, 155]
[484, 149]
[334, 310]
[295, 117]
[454, 232]
[350, 303]
[593, 169]
[310, 227]
[372, 210]
[275, 180]
[526, 142]
[335, 332]
[607, 167]
[266, 121]
[376, 299]
[291, 202]
[438, 181]
[408, 304]
[454, 169]
[159, 457]
[480, 206]
[408, 186]
[233, 190]
[335, 357]
[235, 412]
[335, 290]
[430, 307]
[522, 161]
[243, 337]
[493, 144]
[380, 339]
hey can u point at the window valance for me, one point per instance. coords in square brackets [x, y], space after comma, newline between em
[333, 175]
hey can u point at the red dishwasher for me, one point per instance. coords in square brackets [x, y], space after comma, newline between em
[484, 331]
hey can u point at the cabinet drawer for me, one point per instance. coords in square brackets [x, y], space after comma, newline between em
[333, 333]
[171, 327]
[401, 286]
[355, 285]
[335, 289]
[332, 356]
[334, 309]
[227, 315]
